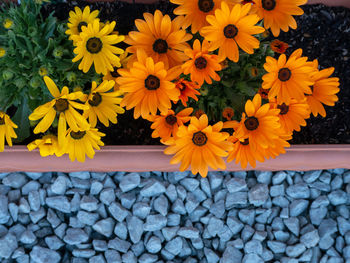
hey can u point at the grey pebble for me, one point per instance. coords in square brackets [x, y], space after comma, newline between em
[15, 180]
[13, 209]
[34, 200]
[238, 198]
[161, 205]
[188, 232]
[27, 237]
[59, 187]
[104, 227]
[155, 222]
[327, 227]
[112, 256]
[276, 246]
[141, 210]
[298, 206]
[129, 257]
[59, 203]
[119, 245]
[97, 259]
[8, 244]
[96, 187]
[153, 245]
[22, 208]
[117, 211]
[99, 245]
[253, 246]
[83, 253]
[252, 258]
[121, 230]
[215, 180]
[75, 236]
[234, 224]
[87, 218]
[169, 232]
[312, 176]
[236, 185]
[211, 256]
[298, 191]
[44, 255]
[89, 203]
[293, 225]
[338, 197]
[80, 175]
[129, 182]
[135, 227]
[53, 242]
[190, 184]
[174, 246]
[231, 255]
[343, 225]
[258, 194]
[107, 196]
[152, 188]
[295, 250]
[30, 186]
[279, 177]
[148, 258]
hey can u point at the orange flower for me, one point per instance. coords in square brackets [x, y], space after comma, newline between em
[161, 38]
[254, 71]
[264, 93]
[228, 113]
[187, 89]
[200, 145]
[198, 113]
[148, 86]
[323, 90]
[166, 125]
[202, 65]
[278, 46]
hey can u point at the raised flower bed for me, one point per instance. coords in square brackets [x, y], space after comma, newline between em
[118, 154]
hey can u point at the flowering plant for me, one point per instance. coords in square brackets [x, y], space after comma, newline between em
[209, 81]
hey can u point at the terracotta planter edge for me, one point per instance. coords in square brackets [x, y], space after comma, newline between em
[152, 158]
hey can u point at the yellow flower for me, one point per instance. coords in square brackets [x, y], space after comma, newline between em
[161, 38]
[64, 105]
[199, 145]
[288, 79]
[230, 28]
[113, 75]
[78, 19]
[6, 130]
[2, 52]
[95, 45]
[7, 23]
[43, 71]
[148, 86]
[278, 14]
[103, 104]
[82, 142]
[48, 145]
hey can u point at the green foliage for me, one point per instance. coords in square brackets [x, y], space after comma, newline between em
[236, 86]
[34, 45]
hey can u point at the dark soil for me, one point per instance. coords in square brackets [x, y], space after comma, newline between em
[323, 33]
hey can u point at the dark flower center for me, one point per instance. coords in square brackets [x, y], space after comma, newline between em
[77, 135]
[205, 5]
[160, 46]
[251, 123]
[284, 74]
[199, 138]
[94, 45]
[2, 121]
[115, 73]
[182, 87]
[200, 63]
[269, 4]
[96, 99]
[171, 119]
[230, 31]
[152, 82]
[246, 141]
[80, 25]
[284, 108]
[61, 105]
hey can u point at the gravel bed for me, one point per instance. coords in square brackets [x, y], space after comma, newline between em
[283, 216]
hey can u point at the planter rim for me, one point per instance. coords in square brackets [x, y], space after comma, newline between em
[137, 158]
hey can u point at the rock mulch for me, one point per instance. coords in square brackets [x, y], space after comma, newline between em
[284, 216]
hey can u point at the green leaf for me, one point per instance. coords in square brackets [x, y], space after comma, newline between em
[21, 119]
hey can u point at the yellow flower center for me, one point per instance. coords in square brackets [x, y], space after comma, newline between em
[61, 105]
[205, 5]
[80, 25]
[94, 45]
[246, 141]
[2, 120]
[284, 74]
[284, 108]
[160, 46]
[115, 73]
[96, 99]
[171, 119]
[251, 123]
[199, 138]
[230, 31]
[269, 4]
[200, 63]
[7, 23]
[77, 135]
[152, 82]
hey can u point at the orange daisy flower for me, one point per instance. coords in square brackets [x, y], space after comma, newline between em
[148, 86]
[200, 145]
[198, 113]
[202, 65]
[278, 14]
[323, 90]
[288, 79]
[187, 89]
[166, 125]
[161, 38]
[278, 46]
[195, 12]
[232, 27]
[264, 93]
[228, 113]
[292, 116]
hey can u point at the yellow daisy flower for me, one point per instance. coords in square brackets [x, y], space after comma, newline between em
[278, 14]
[64, 105]
[48, 145]
[103, 104]
[113, 75]
[78, 19]
[2, 52]
[95, 45]
[8, 23]
[161, 38]
[82, 142]
[43, 71]
[230, 28]
[288, 79]
[148, 86]
[200, 145]
[6, 130]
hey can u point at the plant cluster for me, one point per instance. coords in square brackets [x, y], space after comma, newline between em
[209, 82]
